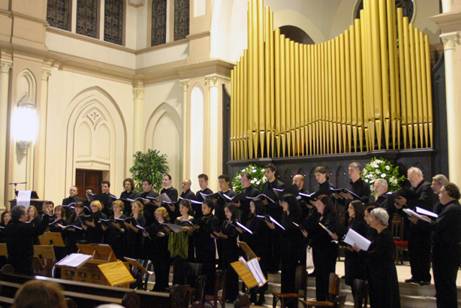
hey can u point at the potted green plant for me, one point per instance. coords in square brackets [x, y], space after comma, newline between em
[151, 165]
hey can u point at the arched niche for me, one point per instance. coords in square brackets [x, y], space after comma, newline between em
[296, 34]
[163, 133]
[95, 136]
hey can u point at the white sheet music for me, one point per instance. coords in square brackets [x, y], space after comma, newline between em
[410, 212]
[74, 260]
[23, 198]
[354, 238]
[426, 212]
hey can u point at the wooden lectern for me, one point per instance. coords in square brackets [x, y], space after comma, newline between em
[51, 238]
[44, 259]
[90, 272]
[3, 250]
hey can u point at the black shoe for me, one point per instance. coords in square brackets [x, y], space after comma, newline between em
[411, 280]
[424, 283]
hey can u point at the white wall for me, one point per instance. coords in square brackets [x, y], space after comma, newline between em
[72, 97]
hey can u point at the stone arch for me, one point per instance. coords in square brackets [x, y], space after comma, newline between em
[292, 18]
[96, 136]
[163, 132]
[26, 88]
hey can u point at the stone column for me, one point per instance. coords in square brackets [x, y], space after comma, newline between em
[40, 161]
[138, 101]
[452, 52]
[186, 130]
[5, 66]
[450, 26]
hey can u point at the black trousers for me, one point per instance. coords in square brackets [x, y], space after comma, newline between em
[231, 284]
[162, 271]
[325, 263]
[445, 269]
[419, 249]
[288, 277]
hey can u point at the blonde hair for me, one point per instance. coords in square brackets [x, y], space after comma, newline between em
[96, 203]
[119, 203]
[162, 211]
[140, 206]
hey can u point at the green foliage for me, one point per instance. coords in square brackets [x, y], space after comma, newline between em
[257, 178]
[380, 168]
[151, 165]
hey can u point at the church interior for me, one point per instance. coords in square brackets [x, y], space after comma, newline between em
[234, 153]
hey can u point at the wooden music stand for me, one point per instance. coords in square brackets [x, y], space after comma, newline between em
[45, 259]
[139, 272]
[101, 252]
[51, 238]
[3, 250]
[116, 273]
[90, 272]
[250, 254]
[244, 274]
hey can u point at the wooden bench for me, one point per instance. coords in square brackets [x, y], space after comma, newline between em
[84, 294]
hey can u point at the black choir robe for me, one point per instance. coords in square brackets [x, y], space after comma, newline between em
[149, 208]
[159, 255]
[230, 253]
[324, 250]
[446, 253]
[134, 240]
[106, 200]
[197, 207]
[273, 209]
[173, 209]
[70, 200]
[382, 274]
[20, 239]
[354, 264]
[95, 234]
[127, 204]
[205, 248]
[114, 236]
[245, 202]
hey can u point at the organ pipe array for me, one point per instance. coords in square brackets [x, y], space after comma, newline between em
[367, 89]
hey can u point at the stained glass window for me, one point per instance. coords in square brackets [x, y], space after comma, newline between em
[158, 22]
[114, 21]
[59, 13]
[88, 17]
[181, 19]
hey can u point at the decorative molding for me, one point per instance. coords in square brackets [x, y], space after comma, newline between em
[136, 3]
[450, 40]
[5, 66]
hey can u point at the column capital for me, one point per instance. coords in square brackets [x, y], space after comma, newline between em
[450, 40]
[5, 66]
[185, 84]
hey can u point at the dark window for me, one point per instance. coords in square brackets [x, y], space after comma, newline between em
[406, 5]
[181, 19]
[114, 21]
[88, 17]
[158, 22]
[59, 13]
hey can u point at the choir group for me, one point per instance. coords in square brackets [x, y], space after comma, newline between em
[279, 223]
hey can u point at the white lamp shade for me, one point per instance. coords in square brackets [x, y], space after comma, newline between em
[24, 124]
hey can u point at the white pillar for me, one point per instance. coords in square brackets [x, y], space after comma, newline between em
[186, 130]
[40, 161]
[138, 101]
[4, 83]
[452, 52]
[101, 19]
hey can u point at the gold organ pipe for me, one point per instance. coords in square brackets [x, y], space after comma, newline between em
[422, 58]
[347, 77]
[428, 88]
[417, 105]
[353, 69]
[358, 64]
[385, 105]
[393, 65]
[368, 88]
[414, 105]
[283, 101]
[278, 90]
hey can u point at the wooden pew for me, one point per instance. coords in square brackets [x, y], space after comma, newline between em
[84, 294]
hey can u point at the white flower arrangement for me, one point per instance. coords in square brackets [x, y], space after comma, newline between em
[383, 169]
[257, 177]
